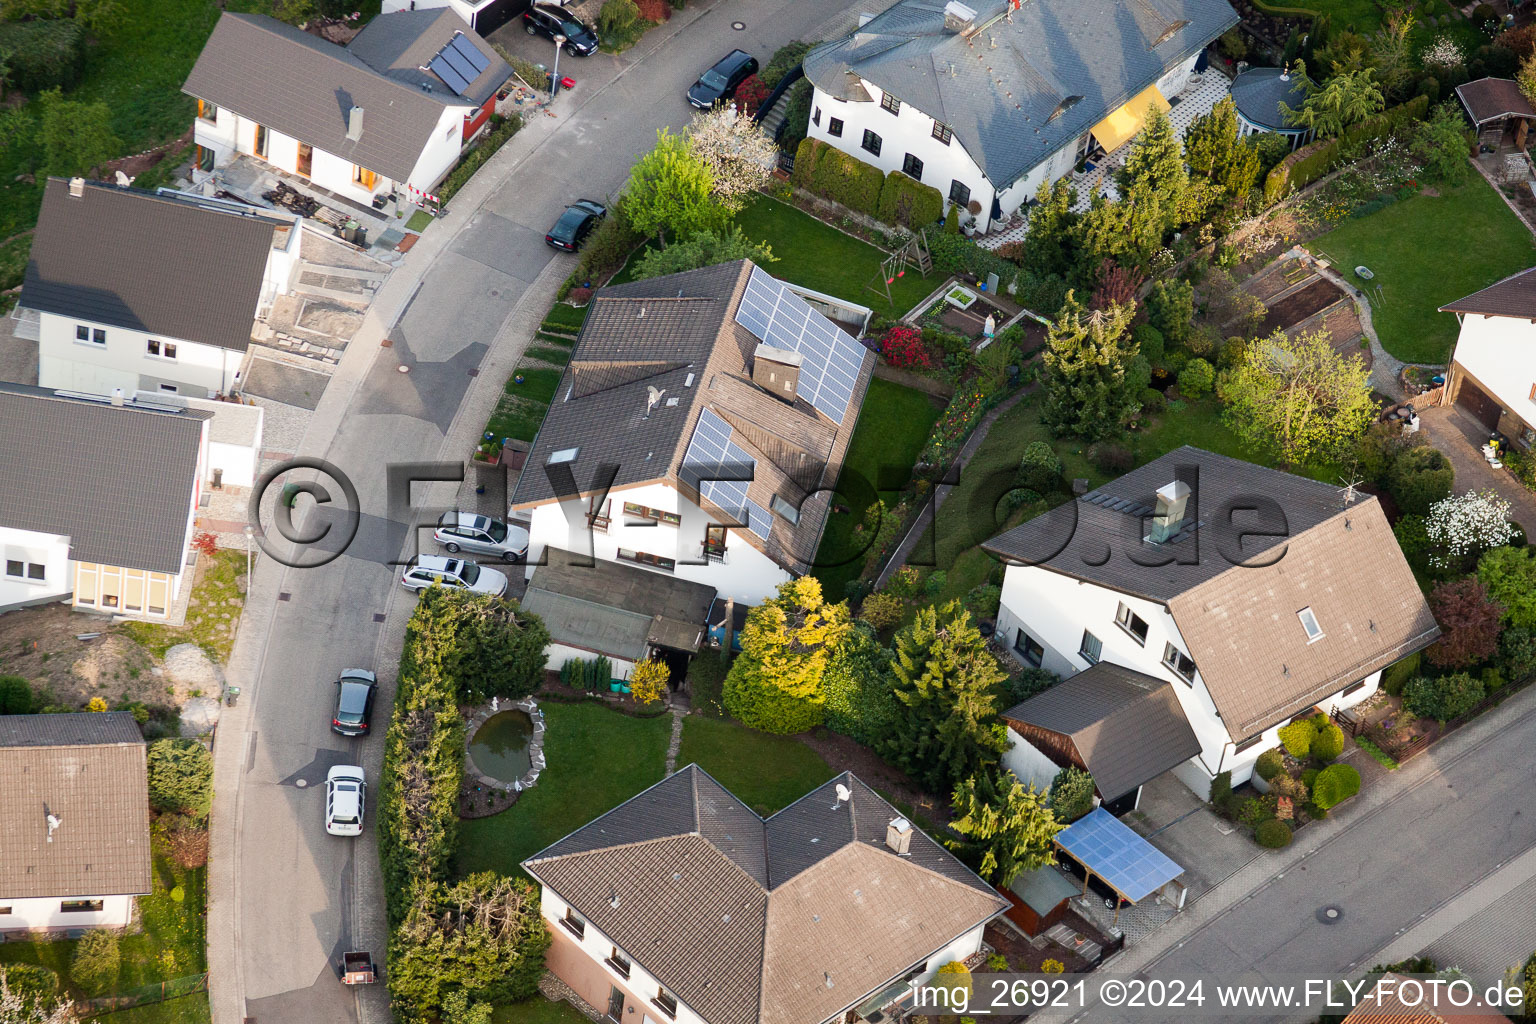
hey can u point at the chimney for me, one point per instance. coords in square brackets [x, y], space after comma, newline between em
[777, 371]
[354, 124]
[958, 18]
[117, 396]
[76, 187]
[898, 835]
[1171, 499]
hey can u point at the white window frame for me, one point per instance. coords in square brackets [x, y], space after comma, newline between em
[1315, 629]
[1125, 617]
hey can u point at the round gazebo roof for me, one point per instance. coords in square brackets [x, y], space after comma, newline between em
[1258, 93]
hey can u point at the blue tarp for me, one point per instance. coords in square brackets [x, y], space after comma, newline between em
[1130, 865]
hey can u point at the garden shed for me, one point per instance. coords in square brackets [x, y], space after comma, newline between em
[1498, 110]
[1261, 94]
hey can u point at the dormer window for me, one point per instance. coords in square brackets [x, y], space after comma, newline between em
[1309, 623]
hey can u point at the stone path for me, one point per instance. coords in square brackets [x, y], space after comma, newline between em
[677, 738]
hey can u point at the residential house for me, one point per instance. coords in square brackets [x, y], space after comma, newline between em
[683, 905]
[987, 102]
[97, 500]
[1198, 586]
[697, 432]
[389, 112]
[484, 16]
[1493, 367]
[152, 291]
[74, 822]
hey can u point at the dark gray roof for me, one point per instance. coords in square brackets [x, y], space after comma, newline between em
[1515, 296]
[1128, 727]
[742, 918]
[999, 100]
[1259, 92]
[90, 259]
[1493, 99]
[615, 608]
[304, 86]
[401, 44]
[118, 481]
[87, 770]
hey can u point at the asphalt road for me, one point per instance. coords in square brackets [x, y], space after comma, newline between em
[286, 898]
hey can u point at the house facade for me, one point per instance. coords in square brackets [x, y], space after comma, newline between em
[1233, 597]
[484, 16]
[1493, 367]
[114, 542]
[698, 432]
[986, 103]
[179, 323]
[74, 822]
[389, 112]
[682, 905]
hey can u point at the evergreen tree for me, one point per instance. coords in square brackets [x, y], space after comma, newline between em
[1007, 828]
[1347, 98]
[1088, 393]
[1152, 185]
[775, 684]
[947, 684]
[1223, 168]
[1103, 235]
[671, 191]
[1050, 247]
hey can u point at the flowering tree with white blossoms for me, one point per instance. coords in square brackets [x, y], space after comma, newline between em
[1444, 53]
[16, 1009]
[1465, 525]
[739, 156]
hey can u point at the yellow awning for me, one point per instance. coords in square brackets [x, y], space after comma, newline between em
[1120, 127]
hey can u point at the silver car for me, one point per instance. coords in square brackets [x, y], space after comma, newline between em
[457, 573]
[345, 795]
[466, 531]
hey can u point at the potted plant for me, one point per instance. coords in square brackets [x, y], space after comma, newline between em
[489, 450]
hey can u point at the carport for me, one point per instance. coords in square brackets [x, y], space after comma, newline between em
[1123, 860]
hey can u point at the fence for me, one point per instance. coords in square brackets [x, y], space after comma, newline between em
[155, 992]
[1488, 703]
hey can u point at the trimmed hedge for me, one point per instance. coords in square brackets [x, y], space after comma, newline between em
[1273, 834]
[1334, 785]
[43, 54]
[1311, 162]
[1328, 743]
[833, 174]
[472, 161]
[1269, 764]
[908, 202]
[1297, 738]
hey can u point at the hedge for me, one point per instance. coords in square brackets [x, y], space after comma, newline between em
[1297, 738]
[42, 54]
[908, 202]
[1311, 162]
[1334, 785]
[833, 174]
[501, 130]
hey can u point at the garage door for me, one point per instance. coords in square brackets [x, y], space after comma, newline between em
[496, 14]
[1476, 401]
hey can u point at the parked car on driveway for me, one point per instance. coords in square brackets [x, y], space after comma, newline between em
[720, 82]
[575, 224]
[457, 573]
[345, 795]
[466, 531]
[354, 702]
[551, 20]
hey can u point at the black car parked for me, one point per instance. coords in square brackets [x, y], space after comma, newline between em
[720, 82]
[354, 702]
[575, 224]
[551, 20]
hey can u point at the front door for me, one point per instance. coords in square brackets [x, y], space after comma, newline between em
[306, 158]
[615, 1003]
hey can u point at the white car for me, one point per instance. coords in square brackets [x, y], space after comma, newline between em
[470, 532]
[458, 573]
[345, 794]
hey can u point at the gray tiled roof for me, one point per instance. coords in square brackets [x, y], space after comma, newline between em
[401, 44]
[88, 771]
[615, 608]
[1489, 99]
[118, 481]
[743, 919]
[998, 88]
[1127, 727]
[90, 259]
[318, 85]
[1258, 93]
[1514, 296]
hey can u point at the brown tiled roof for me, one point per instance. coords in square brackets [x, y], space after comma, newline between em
[88, 771]
[745, 920]
[659, 333]
[1515, 296]
[1489, 99]
[1239, 620]
[1388, 1007]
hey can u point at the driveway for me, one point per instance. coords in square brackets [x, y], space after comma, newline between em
[285, 898]
[1461, 439]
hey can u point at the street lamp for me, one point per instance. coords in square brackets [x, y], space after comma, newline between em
[554, 78]
[250, 531]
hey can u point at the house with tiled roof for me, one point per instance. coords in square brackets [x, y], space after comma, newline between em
[697, 432]
[987, 99]
[684, 905]
[74, 822]
[389, 112]
[1492, 376]
[1193, 607]
[97, 500]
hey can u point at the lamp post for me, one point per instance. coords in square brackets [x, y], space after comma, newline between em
[250, 531]
[554, 76]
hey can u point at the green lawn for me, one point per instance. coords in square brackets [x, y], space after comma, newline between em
[893, 425]
[597, 758]
[206, 624]
[1425, 252]
[191, 1009]
[538, 1010]
[419, 221]
[767, 772]
[1362, 16]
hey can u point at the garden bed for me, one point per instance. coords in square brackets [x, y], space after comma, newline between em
[1298, 306]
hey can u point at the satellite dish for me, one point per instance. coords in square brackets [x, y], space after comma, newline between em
[844, 794]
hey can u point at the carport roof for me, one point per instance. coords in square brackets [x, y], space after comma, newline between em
[1129, 864]
[600, 604]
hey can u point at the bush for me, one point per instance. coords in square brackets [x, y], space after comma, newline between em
[648, 681]
[1153, 401]
[1052, 966]
[1196, 379]
[983, 601]
[904, 348]
[96, 961]
[1039, 468]
[1311, 162]
[882, 610]
[706, 679]
[1418, 478]
[618, 17]
[180, 777]
[936, 582]
[1442, 697]
[1269, 764]
[997, 962]
[15, 696]
[42, 55]
[1517, 652]
[1334, 785]
[1491, 678]
[784, 60]
[860, 703]
[1297, 738]
[907, 202]
[34, 983]
[1171, 309]
[1273, 834]
[1149, 341]
[1221, 788]
[1027, 682]
[1328, 743]
[1071, 794]
[1254, 811]
[833, 174]
[607, 248]
[1395, 675]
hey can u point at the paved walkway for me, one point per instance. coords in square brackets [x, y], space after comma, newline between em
[1461, 439]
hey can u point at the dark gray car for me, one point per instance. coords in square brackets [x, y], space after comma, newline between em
[354, 702]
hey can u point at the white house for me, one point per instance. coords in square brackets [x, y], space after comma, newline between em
[1493, 368]
[484, 16]
[389, 112]
[697, 432]
[985, 102]
[151, 291]
[683, 905]
[97, 500]
[1202, 588]
[74, 822]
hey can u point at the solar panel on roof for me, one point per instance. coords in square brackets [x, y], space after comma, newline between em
[783, 319]
[456, 61]
[712, 449]
[450, 76]
[1132, 866]
[477, 60]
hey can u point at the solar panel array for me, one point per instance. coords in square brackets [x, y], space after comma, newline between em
[712, 448]
[459, 63]
[784, 320]
[1107, 847]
